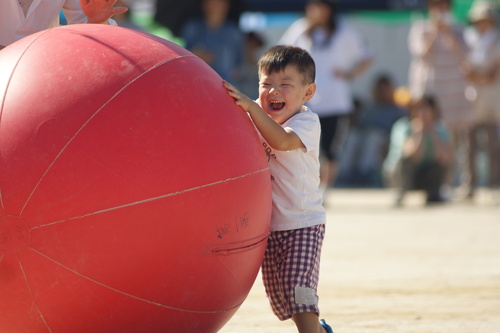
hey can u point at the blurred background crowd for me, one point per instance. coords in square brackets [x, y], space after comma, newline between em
[408, 90]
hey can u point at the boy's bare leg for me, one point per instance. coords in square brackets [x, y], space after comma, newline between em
[307, 322]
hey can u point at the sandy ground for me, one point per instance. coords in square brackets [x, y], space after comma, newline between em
[415, 269]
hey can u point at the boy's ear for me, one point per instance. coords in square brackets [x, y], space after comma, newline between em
[310, 91]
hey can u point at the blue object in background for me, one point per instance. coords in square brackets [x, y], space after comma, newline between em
[62, 18]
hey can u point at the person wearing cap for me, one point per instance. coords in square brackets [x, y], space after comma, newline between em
[341, 55]
[20, 18]
[438, 54]
[483, 74]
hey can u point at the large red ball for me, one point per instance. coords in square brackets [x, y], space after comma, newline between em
[135, 195]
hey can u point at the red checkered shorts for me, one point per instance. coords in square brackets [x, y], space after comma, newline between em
[290, 270]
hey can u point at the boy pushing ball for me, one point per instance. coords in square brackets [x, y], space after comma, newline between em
[290, 268]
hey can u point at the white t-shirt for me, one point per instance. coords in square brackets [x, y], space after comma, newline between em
[42, 14]
[297, 199]
[343, 51]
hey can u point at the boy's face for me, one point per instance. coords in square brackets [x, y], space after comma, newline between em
[282, 94]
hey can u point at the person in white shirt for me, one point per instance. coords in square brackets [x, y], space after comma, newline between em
[291, 134]
[20, 18]
[341, 55]
[438, 55]
[483, 75]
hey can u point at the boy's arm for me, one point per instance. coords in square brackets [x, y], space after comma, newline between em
[275, 135]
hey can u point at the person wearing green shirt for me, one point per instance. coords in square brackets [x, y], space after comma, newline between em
[419, 152]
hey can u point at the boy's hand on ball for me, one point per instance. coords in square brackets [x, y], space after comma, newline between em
[99, 11]
[245, 102]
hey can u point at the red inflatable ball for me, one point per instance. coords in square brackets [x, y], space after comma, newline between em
[135, 195]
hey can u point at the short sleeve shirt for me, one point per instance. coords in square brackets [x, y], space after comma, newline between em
[297, 198]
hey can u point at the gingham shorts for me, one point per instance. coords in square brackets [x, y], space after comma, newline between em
[290, 270]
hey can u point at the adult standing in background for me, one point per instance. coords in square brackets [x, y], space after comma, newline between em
[216, 39]
[483, 40]
[438, 57]
[340, 55]
[20, 18]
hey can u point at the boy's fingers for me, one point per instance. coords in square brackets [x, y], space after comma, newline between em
[228, 84]
[231, 89]
[233, 94]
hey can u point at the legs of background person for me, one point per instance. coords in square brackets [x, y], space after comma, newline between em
[403, 179]
[371, 157]
[456, 166]
[471, 162]
[492, 151]
[333, 132]
[328, 173]
[462, 168]
[430, 178]
[487, 134]
[348, 164]
[307, 322]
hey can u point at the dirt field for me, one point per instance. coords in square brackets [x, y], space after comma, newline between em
[407, 270]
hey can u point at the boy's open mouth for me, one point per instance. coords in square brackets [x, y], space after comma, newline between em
[276, 105]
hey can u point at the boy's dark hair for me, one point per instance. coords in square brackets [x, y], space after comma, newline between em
[279, 56]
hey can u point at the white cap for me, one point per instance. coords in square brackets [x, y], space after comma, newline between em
[481, 10]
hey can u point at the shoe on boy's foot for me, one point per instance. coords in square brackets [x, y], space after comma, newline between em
[326, 326]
